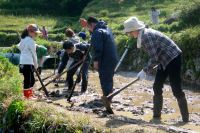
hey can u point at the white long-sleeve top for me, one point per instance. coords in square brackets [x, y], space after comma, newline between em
[155, 17]
[28, 54]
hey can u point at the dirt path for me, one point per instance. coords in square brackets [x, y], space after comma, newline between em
[132, 107]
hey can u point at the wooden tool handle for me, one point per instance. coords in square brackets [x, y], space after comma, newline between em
[117, 92]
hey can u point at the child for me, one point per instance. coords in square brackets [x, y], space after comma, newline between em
[28, 59]
[75, 51]
[74, 39]
[71, 35]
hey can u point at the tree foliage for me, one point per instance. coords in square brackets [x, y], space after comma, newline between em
[61, 7]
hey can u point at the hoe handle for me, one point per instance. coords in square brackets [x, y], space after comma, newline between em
[117, 92]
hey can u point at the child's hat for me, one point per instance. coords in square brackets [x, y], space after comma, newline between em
[33, 28]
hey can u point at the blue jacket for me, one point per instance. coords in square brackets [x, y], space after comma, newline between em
[103, 43]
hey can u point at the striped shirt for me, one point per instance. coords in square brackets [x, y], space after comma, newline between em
[159, 47]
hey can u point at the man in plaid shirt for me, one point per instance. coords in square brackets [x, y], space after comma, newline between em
[163, 51]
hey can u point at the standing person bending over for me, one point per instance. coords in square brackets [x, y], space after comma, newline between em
[75, 51]
[41, 53]
[28, 58]
[74, 39]
[166, 53]
[105, 53]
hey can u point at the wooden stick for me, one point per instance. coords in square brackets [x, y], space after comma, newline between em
[43, 87]
[53, 80]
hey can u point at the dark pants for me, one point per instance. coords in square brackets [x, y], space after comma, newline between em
[85, 75]
[84, 72]
[28, 73]
[173, 70]
[106, 79]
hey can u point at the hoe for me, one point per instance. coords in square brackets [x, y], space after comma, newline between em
[107, 99]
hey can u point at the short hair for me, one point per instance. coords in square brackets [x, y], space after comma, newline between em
[67, 44]
[91, 20]
[69, 32]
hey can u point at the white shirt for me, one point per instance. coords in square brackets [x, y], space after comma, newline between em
[28, 54]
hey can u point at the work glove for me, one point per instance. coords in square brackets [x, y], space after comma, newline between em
[141, 75]
[56, 72]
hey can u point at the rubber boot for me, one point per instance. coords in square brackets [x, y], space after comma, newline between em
[182, 103]
[28, 93]
[157, 106]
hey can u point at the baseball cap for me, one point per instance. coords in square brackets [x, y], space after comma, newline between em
[33, 28]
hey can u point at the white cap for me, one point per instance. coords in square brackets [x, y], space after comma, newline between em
[132, 24]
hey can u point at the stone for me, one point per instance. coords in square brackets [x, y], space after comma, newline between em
[189, 74]
[197, 64]
[173, 18]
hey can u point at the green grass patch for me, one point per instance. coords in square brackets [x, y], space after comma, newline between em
[31, 116]
[19, 23]
[10, 79]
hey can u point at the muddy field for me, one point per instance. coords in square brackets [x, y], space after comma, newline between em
[132, 107]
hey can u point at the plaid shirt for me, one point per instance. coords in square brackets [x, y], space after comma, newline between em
[159, 47]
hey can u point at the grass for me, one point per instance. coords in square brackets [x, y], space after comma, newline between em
[33, 117]
[120, 10]
[56, 27]
[10, 79]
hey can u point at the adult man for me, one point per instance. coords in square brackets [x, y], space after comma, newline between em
[105, 53]
[75, 51]
[164, 51]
